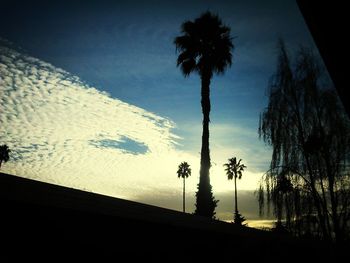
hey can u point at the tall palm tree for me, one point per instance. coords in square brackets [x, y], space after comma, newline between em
[234, 170]
[184, 171]
[4, 153]
[205, 47]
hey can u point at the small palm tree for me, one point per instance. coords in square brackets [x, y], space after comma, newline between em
[4, 153]
[184, 171]
[234, 170]
[205, 47]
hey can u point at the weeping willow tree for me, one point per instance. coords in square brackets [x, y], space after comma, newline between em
[308, 183]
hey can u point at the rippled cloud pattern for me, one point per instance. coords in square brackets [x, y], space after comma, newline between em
[63, 131]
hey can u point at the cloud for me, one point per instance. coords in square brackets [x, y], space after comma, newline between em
[66, 132]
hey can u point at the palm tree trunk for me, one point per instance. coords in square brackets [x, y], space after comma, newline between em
[236, 205]
[205, 153]
[183, 201]
[205, 203]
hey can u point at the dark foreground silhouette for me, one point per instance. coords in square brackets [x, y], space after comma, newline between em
[42, 221]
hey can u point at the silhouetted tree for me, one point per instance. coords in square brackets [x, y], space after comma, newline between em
[234, 170]
[4, 154]
[205, 47]
[308, 182]
[184, 171]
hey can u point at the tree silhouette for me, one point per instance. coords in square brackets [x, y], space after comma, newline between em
[4, 154]
[234, 170]
[308, 182]
[184, 171]
[205, 47]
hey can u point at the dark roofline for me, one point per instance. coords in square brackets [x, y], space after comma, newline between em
[70, 223]
[20, 189]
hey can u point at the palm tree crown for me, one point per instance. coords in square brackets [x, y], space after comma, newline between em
[205, 46]
[184, 170]
[234, 169]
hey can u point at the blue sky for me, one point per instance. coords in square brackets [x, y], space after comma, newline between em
[125, 48]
